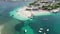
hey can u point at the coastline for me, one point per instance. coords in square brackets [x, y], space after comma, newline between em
[22, 14]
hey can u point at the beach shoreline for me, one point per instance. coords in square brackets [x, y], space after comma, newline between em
[22, 14]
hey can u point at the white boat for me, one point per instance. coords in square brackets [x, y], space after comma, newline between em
[25, 30]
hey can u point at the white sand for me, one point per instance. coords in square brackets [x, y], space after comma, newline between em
[29, 13]
[22, 14]
[55, 10]
[41, 12]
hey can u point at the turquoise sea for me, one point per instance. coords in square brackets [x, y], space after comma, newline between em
[13, 26]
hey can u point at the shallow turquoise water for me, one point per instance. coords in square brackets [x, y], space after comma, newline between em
[53, 23]
[37, 22]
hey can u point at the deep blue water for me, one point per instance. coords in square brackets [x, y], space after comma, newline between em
[6, 7]
[53, 22]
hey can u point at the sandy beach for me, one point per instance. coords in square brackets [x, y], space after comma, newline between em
[55, 10]
[23, 14]
[27, 14]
